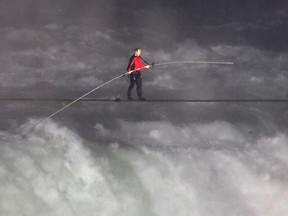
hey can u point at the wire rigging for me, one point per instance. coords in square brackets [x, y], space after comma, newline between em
[149, 101]
[117, 77]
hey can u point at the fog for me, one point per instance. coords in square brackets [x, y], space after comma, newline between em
[150, 158]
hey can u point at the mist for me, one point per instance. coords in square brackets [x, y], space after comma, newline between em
[160, 158]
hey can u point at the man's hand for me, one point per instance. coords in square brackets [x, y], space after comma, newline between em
[147, 66]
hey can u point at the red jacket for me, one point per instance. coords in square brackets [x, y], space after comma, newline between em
[135, 63]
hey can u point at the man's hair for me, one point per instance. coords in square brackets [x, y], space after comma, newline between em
[136, 49]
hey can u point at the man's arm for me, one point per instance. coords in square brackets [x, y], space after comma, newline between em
[130, 63]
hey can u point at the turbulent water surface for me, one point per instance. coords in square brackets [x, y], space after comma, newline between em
[171, 158]
[196, 169]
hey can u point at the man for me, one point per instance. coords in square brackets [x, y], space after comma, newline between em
[135, 63]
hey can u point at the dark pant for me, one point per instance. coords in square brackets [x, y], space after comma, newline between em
[135, 78]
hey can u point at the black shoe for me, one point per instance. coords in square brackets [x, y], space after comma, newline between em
[130, 99]
[142, 99]
[117, 99]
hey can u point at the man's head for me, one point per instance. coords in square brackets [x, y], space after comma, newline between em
[137, 51]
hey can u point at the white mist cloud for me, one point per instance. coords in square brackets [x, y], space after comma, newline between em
[47, 172]
[202, 159]
[240, 176]
[215, 134]
[206, 168]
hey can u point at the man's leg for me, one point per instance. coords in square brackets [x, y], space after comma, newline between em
[139, 86]
[131, 86]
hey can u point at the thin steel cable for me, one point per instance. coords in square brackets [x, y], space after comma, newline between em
[159, 64]
[74, 101]
[151, 100]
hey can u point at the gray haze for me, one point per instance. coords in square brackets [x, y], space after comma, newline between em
[59, 50]
[63, 49]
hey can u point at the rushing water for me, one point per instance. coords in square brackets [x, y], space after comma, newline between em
[207, 169]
